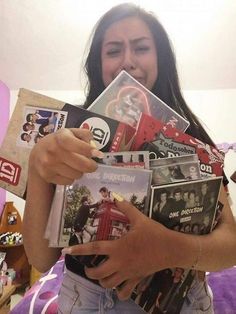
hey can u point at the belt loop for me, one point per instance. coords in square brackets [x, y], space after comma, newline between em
[108, 299]
[77, 299]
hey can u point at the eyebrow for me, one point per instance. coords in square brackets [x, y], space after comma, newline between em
[133, 41]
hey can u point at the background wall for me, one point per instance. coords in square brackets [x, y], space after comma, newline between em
[215, 108]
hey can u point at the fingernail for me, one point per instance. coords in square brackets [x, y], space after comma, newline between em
[97, 153]
[93, 144]
[66, 250]
[117, 197]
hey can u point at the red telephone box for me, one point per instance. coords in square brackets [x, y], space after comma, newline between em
[111, 222]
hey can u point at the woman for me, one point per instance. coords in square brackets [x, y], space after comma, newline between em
[126, 38]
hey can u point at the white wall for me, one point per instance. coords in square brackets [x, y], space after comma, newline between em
[215, 108]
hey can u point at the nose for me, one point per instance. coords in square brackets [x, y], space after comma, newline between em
[129, 61]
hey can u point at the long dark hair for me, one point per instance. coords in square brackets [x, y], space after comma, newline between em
[166, 87]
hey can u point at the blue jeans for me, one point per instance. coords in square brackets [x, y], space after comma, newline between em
[199, 299]
[80, 296]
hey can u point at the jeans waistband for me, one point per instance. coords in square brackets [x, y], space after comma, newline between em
[85, 282]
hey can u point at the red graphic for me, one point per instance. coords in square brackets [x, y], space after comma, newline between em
[9, 171]
[112, 223]
[85, 126]
[128, 106]
[172, 142]
[147, 129]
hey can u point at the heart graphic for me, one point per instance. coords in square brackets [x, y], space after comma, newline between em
[128, 105]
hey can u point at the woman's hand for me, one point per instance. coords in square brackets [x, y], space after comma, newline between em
[64, 156]
[139, 253]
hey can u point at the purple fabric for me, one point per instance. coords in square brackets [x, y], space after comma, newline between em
[42, 296]
[4, 117]
[223, 285]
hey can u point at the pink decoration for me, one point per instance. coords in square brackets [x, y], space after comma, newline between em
[46, 295]
[52, 309]
[224, 147]
[4, 117]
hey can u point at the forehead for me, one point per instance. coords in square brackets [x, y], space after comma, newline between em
[130, 28]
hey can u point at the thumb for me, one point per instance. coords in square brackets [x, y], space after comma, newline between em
[130, 211]
[83, 134]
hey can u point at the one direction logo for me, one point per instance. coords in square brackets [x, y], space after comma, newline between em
[100, 129]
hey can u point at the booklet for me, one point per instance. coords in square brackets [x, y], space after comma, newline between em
[125, 99]
[189, 207]
[36, 116]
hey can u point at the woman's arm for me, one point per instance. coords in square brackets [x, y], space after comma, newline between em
[37, 209]
[58, 158]
[219, 247]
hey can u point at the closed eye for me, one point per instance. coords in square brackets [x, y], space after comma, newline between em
[113, 52]
[142, 49]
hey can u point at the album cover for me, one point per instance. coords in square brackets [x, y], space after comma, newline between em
[37, 123]
[183, 206]
[110, 135]
[54, 220]
[165, 291]
[131, 159]
[126, 98]
[92, 195]
[175, 169]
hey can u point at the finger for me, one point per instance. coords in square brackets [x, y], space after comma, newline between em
[91, 248]
[131, 212]
[62, 170]
[75, 161]
[80, 163]
[82, 134]
[111, 281]
[70, 140]
[104, 270]
[125, 290]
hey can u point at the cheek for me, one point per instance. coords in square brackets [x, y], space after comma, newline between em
[153, 67]
[106, 77]
[108, 72]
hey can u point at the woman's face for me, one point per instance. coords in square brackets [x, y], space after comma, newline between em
[129, 45]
